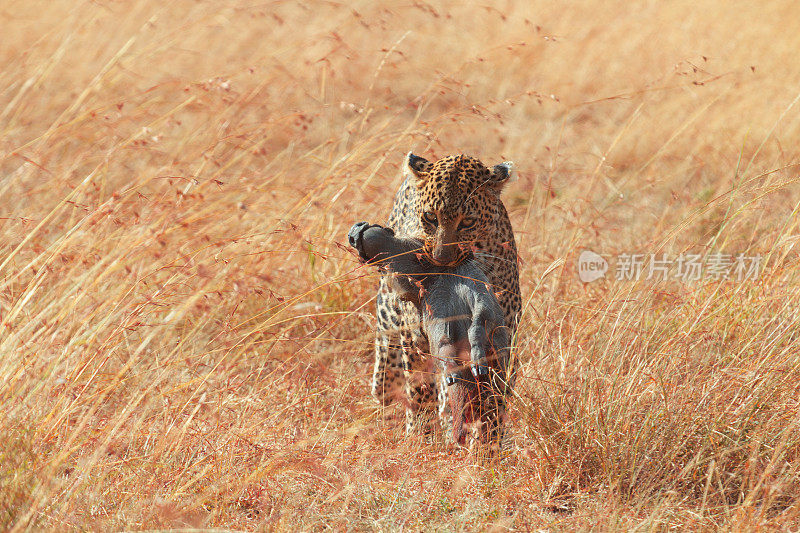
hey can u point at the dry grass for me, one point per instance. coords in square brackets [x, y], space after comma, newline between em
[185, 342]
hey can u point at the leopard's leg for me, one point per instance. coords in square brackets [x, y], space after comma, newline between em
[492, 429]
[387, 375]
[495, 393]
[420, 376]
[445, 414]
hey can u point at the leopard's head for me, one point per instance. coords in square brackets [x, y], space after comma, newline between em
[458, 204]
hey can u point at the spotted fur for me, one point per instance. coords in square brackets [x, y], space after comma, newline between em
[453, 205]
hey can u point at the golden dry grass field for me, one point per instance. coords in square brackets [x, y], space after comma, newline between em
[186, 342]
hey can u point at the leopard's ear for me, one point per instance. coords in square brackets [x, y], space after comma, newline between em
[500, 175]
[417, 167]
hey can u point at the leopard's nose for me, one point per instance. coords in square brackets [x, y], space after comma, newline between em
[446, 254]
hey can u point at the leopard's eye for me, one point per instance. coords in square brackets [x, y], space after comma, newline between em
[430, 218]
[467, 222]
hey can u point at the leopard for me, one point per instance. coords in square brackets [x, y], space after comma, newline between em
[453, 206]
